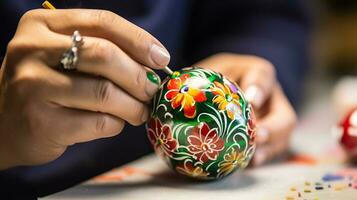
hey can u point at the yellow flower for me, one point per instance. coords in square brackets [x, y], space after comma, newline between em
[226, 100]
[193, 171]
[231, 161]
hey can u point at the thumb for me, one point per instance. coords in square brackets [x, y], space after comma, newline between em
[258, 81]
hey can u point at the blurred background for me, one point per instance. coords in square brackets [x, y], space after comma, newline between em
[335, 45]
[332, 80]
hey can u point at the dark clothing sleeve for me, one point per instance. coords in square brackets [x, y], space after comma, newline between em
[191, 30]
[275, 30]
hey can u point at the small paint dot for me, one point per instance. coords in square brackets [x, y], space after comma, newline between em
[293, 189]
[307, 183]
[307, 190]
[289, 198]
[339, 187]
[318, 183]
[331, 177]
[319, 188]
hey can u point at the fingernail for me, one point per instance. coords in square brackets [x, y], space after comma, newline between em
[259, 158]
[159, 55]
[262, 135]
[145, 115]
[154, 83]
[255, 96]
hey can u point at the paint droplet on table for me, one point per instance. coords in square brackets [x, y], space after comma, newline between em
[319, 188]
[290, 198]
[307, 183]
[307, 190]
[331, 177]
[293, 189]
[318, 183]
[339, 187]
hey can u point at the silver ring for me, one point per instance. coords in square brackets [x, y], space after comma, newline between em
[70, 57]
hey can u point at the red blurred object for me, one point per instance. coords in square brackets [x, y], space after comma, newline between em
[349, 133]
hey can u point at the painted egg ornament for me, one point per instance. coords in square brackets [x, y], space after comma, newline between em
[349, 133]
[201, 124]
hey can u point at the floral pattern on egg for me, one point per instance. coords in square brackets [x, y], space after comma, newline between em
[201, 124]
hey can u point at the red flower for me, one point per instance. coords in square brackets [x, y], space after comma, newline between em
[205, 143]
[161, 137]
[184, 96]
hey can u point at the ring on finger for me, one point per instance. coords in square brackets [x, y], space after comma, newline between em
[70, 57]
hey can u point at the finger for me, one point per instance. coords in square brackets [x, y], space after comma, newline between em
[38, 84]
[279, 121]
[99, 95]
[263, 135]
[256, 76]
[258, 80]
[74, 126]
[138, 43]
[101, 57]
[269, 151]
[223, 63]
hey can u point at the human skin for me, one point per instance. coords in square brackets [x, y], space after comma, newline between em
[43, 110]
[276, 118]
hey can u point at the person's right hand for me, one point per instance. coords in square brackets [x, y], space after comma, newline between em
[43, 111]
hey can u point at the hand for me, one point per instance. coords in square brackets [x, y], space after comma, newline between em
[43, 111]
[275, 116]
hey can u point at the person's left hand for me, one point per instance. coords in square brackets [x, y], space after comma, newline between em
[275, 116]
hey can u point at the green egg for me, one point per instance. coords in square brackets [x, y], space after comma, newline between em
[201, 124]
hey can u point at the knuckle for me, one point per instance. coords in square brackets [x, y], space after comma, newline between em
[12, 46]
[27, 83]
[104, 18]
[225, 55]
[121, 126]
[103, 51]
[17, 46]
[31, 14]
[139, 36]
[270, 68]
[104, 128]
[101, 124]
[138, 112]
[103, 91]
[140, 84]
[265, 65]
[21, 46]
[141, 40]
